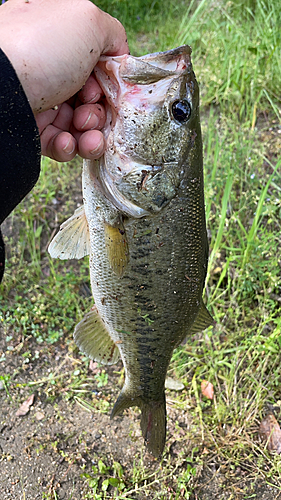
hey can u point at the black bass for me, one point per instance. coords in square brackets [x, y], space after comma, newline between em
[143, 225]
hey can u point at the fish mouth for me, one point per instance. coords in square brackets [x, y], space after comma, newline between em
[114, 74]
[143, 70]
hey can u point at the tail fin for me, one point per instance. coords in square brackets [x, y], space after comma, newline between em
[153, 420]
[153, 426]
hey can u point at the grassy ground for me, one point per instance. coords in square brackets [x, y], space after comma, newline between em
[237, 60]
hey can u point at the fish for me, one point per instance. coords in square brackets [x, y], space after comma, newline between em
[143, 225]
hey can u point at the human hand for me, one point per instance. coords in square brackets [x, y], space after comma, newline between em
[54, 47]
[74, 127]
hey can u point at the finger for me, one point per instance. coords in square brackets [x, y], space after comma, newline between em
[91, 144]
[64, 147]
[116, 42]
[91, 91]
[45, 118]
[58, 145]
[63, 119]
[89, 116]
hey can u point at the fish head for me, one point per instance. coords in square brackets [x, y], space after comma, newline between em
[152, 128]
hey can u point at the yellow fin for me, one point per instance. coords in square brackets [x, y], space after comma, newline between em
[73, 240]
[117, 248]
[203, 320]
[93, 339]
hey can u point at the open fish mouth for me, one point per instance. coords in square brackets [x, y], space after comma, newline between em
[141, 70]
[136, 88]
[128, 74]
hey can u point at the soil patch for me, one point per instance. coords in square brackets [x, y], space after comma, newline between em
[48, 452]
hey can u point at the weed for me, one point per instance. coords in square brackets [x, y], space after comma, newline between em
[4, 381]
[104, 478]
[102, 378]
[223, 36]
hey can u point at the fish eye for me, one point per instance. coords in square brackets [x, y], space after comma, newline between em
[181, 110]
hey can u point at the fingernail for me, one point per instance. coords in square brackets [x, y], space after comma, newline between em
[69, 148]
[97, 150]
[94, 124]
[96, 98]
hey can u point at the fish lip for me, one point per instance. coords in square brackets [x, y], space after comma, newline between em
[183, 52]
[170, 54]
[161, 57]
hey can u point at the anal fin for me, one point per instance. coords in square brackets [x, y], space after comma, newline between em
[123, 402]
[93, 339]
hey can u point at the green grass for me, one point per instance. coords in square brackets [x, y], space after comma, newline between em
[237, 60]
[237, 50]
[236, 46]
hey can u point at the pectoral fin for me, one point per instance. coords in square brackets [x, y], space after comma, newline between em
[73, 240]
[93, 339]
[117, 248]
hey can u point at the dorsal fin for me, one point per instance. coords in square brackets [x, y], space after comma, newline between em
[93, 339]
[73, 240]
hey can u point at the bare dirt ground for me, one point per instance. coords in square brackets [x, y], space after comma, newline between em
[44, 452]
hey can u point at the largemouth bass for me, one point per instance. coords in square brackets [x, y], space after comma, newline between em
[143, 225]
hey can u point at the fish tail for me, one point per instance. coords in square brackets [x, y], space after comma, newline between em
[124, 401]
[153, 425]
[153, 420]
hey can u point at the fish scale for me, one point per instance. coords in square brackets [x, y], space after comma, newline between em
[146, 229]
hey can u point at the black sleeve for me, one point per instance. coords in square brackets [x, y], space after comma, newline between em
[19, 144]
